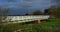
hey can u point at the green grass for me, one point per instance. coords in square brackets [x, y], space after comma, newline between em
[52, 25]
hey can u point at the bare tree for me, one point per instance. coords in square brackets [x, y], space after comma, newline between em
[3, 14]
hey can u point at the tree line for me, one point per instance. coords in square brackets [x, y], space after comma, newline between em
[52, 11]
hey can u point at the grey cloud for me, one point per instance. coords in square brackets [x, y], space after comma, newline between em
[28, 0]
[29, 4]
[11, 0]
[56, 2]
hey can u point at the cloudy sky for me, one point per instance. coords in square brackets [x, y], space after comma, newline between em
[25, 6]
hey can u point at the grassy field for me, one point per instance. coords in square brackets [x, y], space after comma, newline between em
[52, 25]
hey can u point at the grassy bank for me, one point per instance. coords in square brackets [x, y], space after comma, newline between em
[52, 25]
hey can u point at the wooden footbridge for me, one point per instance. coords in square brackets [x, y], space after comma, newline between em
[21, 19]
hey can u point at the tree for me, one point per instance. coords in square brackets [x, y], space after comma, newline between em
[3, 14]
[46, 11]
[37, 12]
[26, 14]
[54, 11]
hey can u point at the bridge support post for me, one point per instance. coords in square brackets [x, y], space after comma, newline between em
[37, 21]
